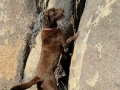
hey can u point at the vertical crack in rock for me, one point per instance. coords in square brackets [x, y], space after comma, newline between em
[26, 54]
[78, 8]
[65, 61]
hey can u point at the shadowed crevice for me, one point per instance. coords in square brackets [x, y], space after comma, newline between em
[78, 9]
[26, 55]
[66, 59]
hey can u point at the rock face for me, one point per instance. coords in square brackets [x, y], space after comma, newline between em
[15, 19]
[96, 59]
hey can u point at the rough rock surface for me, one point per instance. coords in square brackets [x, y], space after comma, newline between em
[16, 17]
[96, 59]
